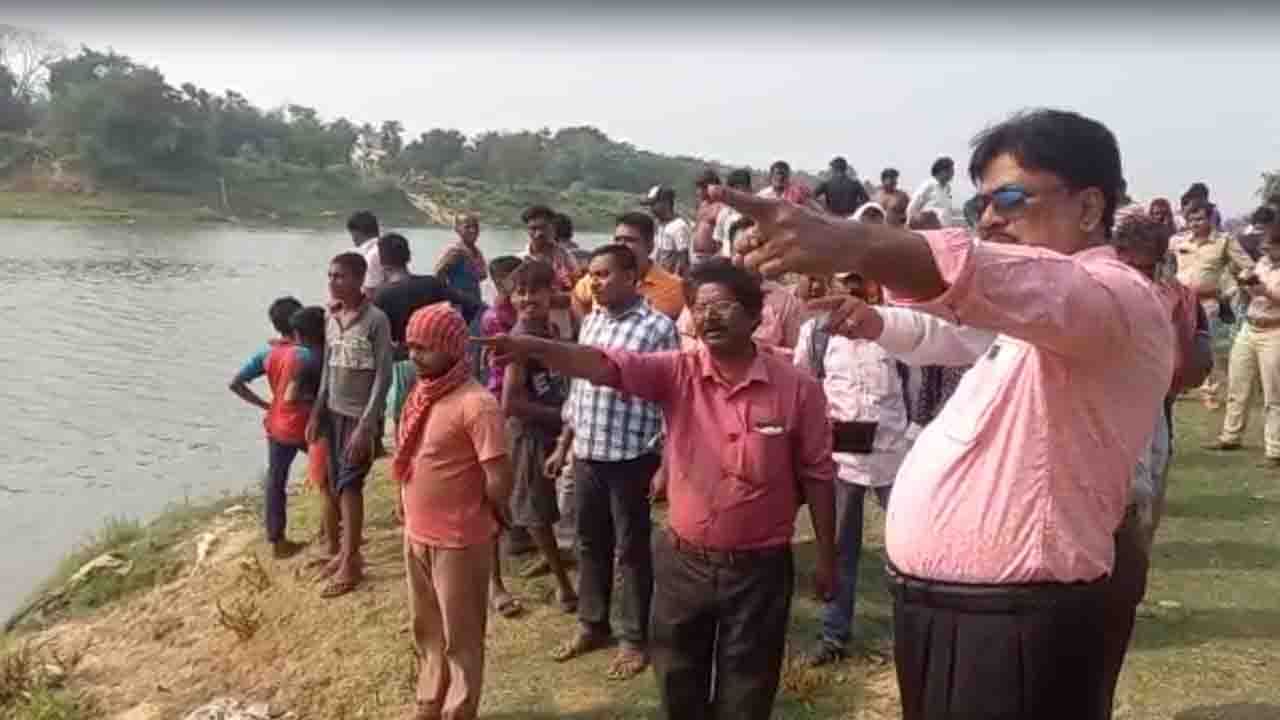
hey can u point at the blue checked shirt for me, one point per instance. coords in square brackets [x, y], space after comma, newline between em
[609, 425]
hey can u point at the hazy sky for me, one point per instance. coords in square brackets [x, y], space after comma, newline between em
[1190, 98]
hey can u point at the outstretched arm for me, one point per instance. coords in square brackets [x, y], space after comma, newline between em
[571, 359]
[1044, 298]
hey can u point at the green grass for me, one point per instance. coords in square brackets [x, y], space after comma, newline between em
[262, 193]
[150, 548]
[591, 210]
[33, 683]
[1206, 646]
[1207, 642]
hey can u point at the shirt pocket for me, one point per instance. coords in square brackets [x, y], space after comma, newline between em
[965, 412]
[354, 353]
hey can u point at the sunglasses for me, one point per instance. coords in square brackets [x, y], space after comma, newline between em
[1006, 199]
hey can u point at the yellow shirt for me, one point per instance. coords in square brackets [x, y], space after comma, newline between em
[1201, 263]
[664, 291]
[1264, 307]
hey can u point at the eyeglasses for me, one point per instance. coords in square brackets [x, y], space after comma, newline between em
[1006, 199]
[721, 308]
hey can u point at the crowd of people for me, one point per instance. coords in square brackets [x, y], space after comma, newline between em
[785, 349]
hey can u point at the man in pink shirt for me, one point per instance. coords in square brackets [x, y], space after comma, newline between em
[1001, 530]
[748, 440]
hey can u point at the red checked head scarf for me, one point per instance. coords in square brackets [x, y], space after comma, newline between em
[438, 328]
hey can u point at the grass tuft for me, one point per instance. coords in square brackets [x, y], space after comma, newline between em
[1206, 645]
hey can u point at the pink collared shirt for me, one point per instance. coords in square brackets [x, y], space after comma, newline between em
[1024, 475]
[735, 456]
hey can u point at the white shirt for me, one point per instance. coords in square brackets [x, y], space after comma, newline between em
[932, 195]
[674, 236]
[862, 384]
[373, 274]
[673, 240]
[720, 233]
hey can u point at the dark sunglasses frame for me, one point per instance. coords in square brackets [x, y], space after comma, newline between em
[1005, 198]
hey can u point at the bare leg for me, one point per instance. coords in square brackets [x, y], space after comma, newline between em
[350, 565]
[544, 537]
[332, 525]
[499, 599]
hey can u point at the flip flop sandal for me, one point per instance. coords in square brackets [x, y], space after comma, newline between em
[580, 645]
[535, 569]
[508, 608]
[338, 588]
[627, 664]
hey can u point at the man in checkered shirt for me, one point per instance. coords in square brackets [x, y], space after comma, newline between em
[615, 442]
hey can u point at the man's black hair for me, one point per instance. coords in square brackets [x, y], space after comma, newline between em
[1199, 189]
[1080, 151]
[308, 323]
[393, 250]
[1264, 215]
[707, 178]
[1142, 234]
[353, 262]
[621, 254]
[640, 221]
[738, 226]
[280, 312]
[564, 227]
[533, 275]
[1198, 204]
[363, 222]
[739, 179]
[780, 165]
[503, 266]
[743, 285]
[888, 173]
[839, 164]
[535, 212]
[942, 163]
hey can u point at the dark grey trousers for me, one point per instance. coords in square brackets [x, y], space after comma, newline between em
[719, 630]
[614, 521]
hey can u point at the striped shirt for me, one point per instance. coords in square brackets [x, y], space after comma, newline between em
[609, 425]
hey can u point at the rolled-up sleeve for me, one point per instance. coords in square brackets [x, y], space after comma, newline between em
[1053, 301]
[814, 442]
[648, 376]
[920, 339]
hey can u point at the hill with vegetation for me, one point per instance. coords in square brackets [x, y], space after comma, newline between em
[97, 134]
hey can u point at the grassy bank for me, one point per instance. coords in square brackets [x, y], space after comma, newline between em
[282, 194]
[1206, 645]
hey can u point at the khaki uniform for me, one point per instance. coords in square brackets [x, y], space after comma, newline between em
[1209, 267]
[1256, 351]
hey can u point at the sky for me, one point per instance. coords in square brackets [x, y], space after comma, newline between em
[1190, 97]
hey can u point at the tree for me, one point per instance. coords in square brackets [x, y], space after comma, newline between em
[1270, 185]
[390, 140]
[28, 53]
[14, 111]
[126, 122]
[434, 152]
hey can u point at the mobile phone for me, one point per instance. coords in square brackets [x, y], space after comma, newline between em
[858, 438]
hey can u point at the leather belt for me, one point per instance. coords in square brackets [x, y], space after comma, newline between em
[713, 556]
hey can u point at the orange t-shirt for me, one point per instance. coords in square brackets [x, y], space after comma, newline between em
[444, 502]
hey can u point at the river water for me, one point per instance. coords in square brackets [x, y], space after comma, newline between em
[116, 350]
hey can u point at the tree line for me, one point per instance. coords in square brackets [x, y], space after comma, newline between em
[126, 125]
